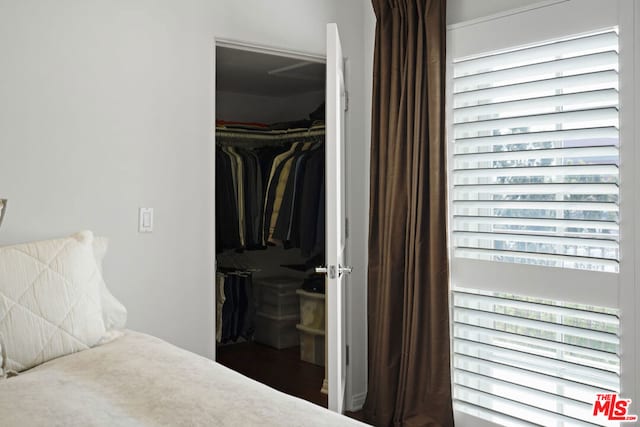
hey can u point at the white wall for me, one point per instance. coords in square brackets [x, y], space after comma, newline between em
[106, 106]
[266, 109]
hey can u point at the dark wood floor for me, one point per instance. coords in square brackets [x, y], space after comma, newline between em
[280, 369]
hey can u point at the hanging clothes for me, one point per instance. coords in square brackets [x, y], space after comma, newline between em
[285, 218]
[252, 199]
[266, 156]
[279, 171]
[227, 220]
[220, 299]
[310, 230]
[292, 209]
[270, 195]
[238, 178]
[235, 307]
[281, 188]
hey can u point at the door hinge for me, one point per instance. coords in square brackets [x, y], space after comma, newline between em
[346, 228]
[347, 355]
[346, 100]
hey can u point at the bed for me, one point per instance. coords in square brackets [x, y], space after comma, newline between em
[140, 380]
[66, 358]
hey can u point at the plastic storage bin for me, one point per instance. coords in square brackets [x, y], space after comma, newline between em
[311, 345]
[277, 296]
[312, 309]
[276, 331]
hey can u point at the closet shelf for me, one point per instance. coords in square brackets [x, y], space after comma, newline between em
[269, 135]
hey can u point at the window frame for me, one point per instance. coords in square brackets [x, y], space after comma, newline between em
[520, 28]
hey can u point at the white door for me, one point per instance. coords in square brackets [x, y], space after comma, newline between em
[335, 217]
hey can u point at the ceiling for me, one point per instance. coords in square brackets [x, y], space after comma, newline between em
[267, 75]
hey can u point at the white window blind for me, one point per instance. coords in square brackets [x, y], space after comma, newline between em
[520, 360]
[535, 163]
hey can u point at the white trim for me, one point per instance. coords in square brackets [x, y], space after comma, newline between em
[463, 419]
[268, 50]
[634, 284]
[510, 31]
[504, 14]
[212, 192]
[459, 418]
[629, 180]
[352, 401]
[577, 286]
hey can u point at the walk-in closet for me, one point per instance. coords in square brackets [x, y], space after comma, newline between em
[270, 206]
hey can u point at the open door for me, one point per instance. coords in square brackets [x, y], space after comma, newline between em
[335, 221]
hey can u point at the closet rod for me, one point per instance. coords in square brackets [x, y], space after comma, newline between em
[269, 136]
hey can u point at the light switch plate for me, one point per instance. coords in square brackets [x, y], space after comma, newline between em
[145, 220]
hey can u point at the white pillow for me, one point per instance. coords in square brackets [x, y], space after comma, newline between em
[50, 302]
[114, 314]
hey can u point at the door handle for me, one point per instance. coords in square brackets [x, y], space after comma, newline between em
[329, 271]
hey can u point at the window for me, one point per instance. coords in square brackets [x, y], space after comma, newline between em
[536, 155]
[535, 213]
[519, 358]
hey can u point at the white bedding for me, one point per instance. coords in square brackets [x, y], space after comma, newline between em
[140, 380]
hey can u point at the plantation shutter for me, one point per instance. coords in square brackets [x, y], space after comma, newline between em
[536, 163]
[531, 359]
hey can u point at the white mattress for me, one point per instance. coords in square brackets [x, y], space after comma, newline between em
[140, 380]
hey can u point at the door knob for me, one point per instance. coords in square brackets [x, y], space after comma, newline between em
[329, 271]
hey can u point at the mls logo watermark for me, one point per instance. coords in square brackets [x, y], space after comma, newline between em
[611, 406]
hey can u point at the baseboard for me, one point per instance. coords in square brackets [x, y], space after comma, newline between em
[357, 401]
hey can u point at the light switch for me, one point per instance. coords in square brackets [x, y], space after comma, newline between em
[145, 220]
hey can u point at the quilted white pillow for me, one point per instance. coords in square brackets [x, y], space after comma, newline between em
[114, 314]
[50, 302]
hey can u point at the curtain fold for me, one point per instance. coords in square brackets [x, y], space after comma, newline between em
[408, 307]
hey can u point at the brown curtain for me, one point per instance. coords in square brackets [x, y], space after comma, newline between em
[408, 307]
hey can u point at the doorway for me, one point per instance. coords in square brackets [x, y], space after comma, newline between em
[270, 199]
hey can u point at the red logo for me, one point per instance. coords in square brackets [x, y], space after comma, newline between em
[613, 407]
